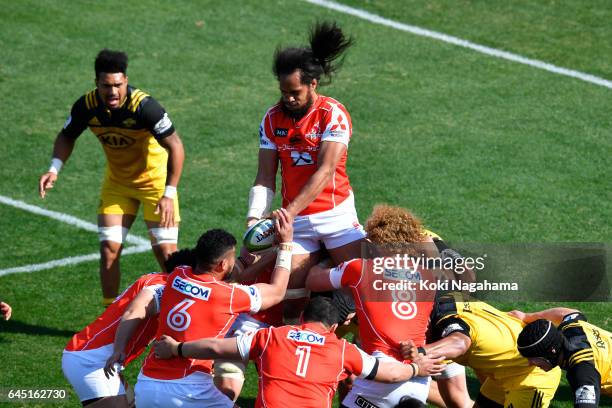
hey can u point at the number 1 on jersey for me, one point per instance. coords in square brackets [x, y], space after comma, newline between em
[304, 355]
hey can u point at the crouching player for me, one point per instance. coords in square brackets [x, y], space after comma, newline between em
[300, 366]
[87, 352]
[198, 303]
[578, 347]
[477, 335]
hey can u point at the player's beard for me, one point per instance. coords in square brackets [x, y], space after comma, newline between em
[297, 114]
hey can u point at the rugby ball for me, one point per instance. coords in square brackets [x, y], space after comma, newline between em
[259, 236]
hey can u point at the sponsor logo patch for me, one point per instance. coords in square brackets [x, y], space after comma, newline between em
[281, 132]
[116, 140]
[191, 289]
[364, 403]
[68, 121]
[164, 124]
[570, 317]
[301, 158]
[306, 337]
[451, 328]
[586, 395]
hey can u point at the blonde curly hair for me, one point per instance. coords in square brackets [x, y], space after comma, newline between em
[393, 226]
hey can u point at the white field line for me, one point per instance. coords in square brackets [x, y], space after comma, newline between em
[493, 52]
[142, 245]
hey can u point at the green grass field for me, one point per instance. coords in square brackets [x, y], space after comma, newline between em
[484, 150]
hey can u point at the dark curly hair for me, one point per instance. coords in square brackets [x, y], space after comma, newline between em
[327, 44]
[111, 62]
[212, 245]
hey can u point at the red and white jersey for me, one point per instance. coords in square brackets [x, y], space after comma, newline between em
[298, 145]
[300, 366]
[390, 304]
[101, 332]
[195, 307]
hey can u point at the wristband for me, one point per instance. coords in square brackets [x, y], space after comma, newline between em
[285, 246]
[56, 165]
[283, 259]
[179, 350]
[260, 201]
[415, 368]
[170, 192]
[421, 350]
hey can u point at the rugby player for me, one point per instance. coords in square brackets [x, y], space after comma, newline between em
[5, 310]
[563, 337]
[386, 317]
[299, 366]
[86, 354]
[309, 133]
[144, 157]
[197, 303]
[478, 335]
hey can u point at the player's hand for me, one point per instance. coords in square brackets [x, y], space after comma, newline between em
[408, 350]
[165, 207]
[114, 364]
[165, 347]
[283, 225]
[47, 181]
[5, 310]
[430, 365]
[250, 221]
[518, 314]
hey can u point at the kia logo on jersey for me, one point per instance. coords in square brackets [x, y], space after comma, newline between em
[281, 132]
[116, 140]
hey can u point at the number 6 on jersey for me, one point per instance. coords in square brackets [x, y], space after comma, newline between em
[178, 319]
[302, 366]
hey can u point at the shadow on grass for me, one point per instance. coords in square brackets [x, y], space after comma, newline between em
[16, 326]
[245, 402]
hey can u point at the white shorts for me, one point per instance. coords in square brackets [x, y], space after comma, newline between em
[335, 228]
[384, 395]
[85, 372]
[235, 369]
[194, 391]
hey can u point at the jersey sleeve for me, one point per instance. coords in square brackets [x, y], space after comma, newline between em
[251, 344]
[157, 291]
[246, 299]
[265, 134]
[76, 122]
[585, 382]
[155, 118]
[337, 126]
[358, 362]
[571, 318]
[346, 274]
[449, 325]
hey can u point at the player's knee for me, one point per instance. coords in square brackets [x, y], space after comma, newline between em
[114, 233]
[160, 236]
[229, 377]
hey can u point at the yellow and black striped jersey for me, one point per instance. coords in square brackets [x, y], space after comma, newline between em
[587, 357]
[493, 352]
[129, 136]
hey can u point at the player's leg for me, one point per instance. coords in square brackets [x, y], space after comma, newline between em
[163, 240]
[119, 401]
[116, 214]
[491, 395]
[452, 387]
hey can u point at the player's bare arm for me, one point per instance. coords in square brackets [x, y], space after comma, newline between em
[392, 372]
[330, 155]
[142, 307]
[274, 292]
[262, 192]
[247, 269]
[62, 149]
[555, 315]
[318, 279]
[452, 346]
[204, 349]
[176, 158]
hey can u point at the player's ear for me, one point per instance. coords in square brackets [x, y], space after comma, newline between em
[313, 84]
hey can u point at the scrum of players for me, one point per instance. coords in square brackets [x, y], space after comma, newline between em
[286, 306]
